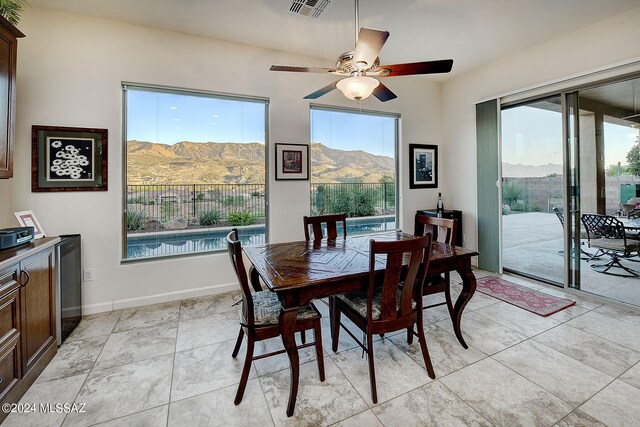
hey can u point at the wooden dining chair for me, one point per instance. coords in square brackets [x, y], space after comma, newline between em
[443, 230]
[392, 301]
[261, 318]
[331, 222]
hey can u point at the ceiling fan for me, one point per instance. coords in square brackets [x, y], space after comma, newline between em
[362, 68]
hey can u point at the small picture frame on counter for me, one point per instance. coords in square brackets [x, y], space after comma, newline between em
[28, 219]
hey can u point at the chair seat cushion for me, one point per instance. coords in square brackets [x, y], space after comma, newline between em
[266, 309]
[616, 244]
[358, 302]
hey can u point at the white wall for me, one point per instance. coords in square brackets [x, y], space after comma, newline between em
[604, 44]
[5, 202]
[70, 70]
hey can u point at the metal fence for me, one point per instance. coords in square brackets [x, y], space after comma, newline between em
[223, 204]
[355, 199]
[218, 201]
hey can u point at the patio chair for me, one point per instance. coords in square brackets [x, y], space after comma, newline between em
[607, 234]
[583, 236]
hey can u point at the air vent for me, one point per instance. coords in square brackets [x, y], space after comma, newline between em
[310, 8]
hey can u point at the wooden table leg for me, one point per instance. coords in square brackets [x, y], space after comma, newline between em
[288, 321]
[468, 289]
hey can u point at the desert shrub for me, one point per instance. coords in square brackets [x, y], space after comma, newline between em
[525, 207]
[200, 196]
[210, 217]
[352, 202]
[241, 218]
[256, 194]
[137, 199]
[135, 220]
[168, 210]
[512, 193]
[233, 200]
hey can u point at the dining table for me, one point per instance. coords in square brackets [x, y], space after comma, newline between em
[300, 272]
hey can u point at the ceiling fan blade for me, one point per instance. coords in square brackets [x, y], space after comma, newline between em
[383, 93]
[369, 44]
[426, 67]
[325, 90]
[301, 69]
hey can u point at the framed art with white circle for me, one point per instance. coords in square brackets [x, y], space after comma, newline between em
[68, 159]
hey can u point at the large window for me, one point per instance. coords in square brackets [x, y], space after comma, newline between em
[195, 168]
[353, 167]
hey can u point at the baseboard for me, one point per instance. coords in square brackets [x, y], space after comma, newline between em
[97, 308]
[158, 298]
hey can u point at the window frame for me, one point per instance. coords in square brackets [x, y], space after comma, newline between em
[125, 87]
[397, 148]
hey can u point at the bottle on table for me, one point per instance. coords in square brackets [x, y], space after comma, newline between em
[439, 206]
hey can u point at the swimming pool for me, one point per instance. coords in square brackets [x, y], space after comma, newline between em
[194, 241]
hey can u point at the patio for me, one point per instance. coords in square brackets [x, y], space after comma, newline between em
[531, 242]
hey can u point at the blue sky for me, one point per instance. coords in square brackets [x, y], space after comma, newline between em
[533, 136]
[170, 118]
[348, 131]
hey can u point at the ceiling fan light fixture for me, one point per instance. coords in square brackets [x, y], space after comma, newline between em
[357, 87]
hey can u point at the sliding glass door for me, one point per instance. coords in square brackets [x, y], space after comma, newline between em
[609, 164]
[533, 189]
[564, 157]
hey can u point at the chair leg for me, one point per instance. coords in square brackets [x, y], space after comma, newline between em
[335, 327]
[317, 336]
[238, 343]
[614, 263]
[303, 337]
[410, 335]
[245, 370]
[372, 369]
[425, 352]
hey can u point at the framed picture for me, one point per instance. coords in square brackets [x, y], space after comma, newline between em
[68, 159]
[423, 166]
[28, 219]
[292, 161]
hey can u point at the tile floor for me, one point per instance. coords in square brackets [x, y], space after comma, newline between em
[170, 364]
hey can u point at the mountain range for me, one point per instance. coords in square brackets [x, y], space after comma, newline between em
[526, 171]
[235, 163]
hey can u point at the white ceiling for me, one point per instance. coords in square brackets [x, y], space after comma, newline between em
[471, 32]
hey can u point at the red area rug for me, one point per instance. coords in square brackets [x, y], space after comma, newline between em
[526, 298]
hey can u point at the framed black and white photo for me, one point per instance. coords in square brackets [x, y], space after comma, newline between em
[423, 166]
[68, 159]
[292, 162]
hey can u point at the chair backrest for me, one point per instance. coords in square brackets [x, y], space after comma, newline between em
[332, 226]
[603, 227]
[560, 215]
[412, 278]
[444, 228]
[634, 213]
[234, 248]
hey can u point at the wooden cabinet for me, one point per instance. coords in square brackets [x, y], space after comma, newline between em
[38, 308]
[8, 49]
[10, 360]
[27, 316]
